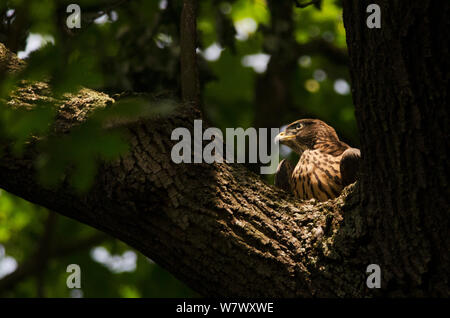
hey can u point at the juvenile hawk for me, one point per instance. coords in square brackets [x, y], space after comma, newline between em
[326, 164]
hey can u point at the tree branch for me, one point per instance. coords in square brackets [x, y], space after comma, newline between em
[335, 54]
[306, 4]
[190, 87]
[217, 227]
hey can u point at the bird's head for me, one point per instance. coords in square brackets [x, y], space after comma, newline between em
[309, 134]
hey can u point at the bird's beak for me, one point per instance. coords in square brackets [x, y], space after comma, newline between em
[282, 137]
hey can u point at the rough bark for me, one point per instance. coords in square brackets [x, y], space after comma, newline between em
[400, 91]
[223, 231]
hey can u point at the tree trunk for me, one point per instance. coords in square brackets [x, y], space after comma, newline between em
[223, 231]
[400, 84]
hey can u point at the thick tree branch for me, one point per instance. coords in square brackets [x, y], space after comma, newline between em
[217, 227]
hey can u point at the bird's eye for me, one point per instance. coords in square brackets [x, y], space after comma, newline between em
[298, 126]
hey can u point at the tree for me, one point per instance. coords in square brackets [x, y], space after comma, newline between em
[224, 231]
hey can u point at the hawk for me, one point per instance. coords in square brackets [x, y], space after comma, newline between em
[326, 164]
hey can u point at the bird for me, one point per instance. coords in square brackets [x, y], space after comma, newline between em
[326, 164]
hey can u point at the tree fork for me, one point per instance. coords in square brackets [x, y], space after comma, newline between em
[225, 232]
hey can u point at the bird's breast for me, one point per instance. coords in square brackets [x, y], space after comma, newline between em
[317, 175]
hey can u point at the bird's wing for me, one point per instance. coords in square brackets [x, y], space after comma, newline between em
[349, 165]
[283, 174]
